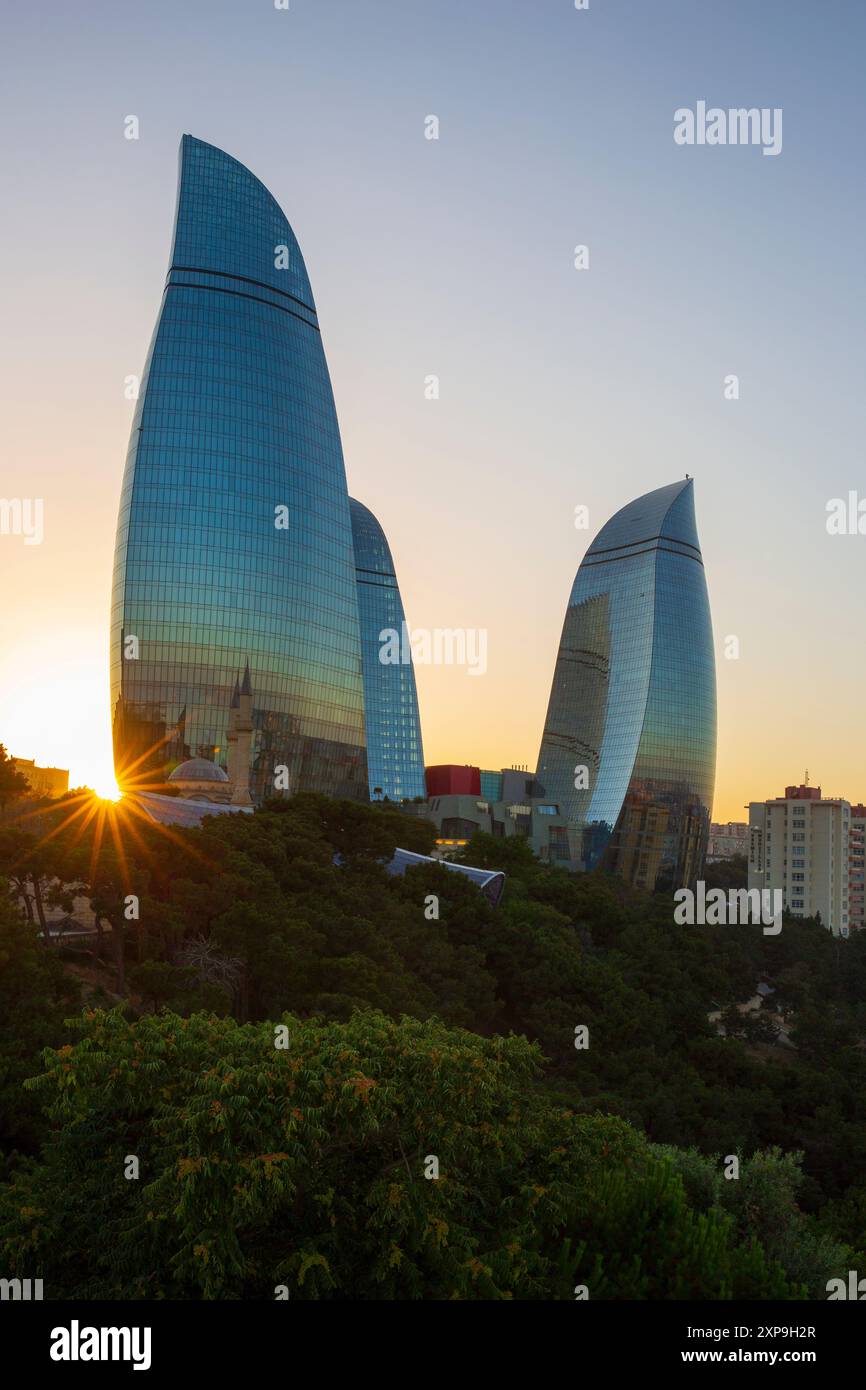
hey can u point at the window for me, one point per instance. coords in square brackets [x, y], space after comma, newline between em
[457, 828]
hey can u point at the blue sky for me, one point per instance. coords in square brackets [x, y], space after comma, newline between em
[455, 257]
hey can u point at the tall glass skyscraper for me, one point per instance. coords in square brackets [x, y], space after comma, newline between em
[629, 744]
[234, 538]
[395, 758]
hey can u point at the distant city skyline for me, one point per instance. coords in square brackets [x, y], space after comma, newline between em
[454, 258]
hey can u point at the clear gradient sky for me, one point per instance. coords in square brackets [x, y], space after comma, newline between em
[454, 257]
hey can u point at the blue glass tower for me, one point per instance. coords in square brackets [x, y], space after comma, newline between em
[629, 743]
[234, 539]
[395, 758]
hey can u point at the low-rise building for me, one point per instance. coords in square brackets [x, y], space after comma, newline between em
[516, 810]
[452, 779]
[44, 781]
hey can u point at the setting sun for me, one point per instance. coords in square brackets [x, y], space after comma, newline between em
[108, 790]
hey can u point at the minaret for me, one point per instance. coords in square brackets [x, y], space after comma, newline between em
[243, 732]
[232, 736]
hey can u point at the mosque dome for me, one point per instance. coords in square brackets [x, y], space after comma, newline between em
[198, 770]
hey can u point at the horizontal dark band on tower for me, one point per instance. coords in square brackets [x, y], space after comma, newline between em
[374, 584]
[230, 275]
[592, 663]
[239, 294]
[644, 540]
[588, 561]
[383, 574]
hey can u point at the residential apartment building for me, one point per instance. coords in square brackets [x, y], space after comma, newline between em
[727, 840]
[802, 844]
[856, 843]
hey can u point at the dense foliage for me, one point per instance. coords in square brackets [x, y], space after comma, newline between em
[414, 1032]
[309, 1166]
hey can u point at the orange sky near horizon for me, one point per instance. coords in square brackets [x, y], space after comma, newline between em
[54, 663]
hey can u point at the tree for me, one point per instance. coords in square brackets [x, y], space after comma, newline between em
[36, 995]
[13, 783]
[727, 873]
[371, 1159]
[291, 910]
[762, 1203]
[39, 873]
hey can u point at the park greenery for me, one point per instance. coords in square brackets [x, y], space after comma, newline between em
[281, 1076]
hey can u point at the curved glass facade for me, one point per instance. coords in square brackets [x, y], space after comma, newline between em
[633, 700]
[395, 758]
[234, 539]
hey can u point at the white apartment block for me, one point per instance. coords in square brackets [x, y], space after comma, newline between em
[804, 846]
[856, 856]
